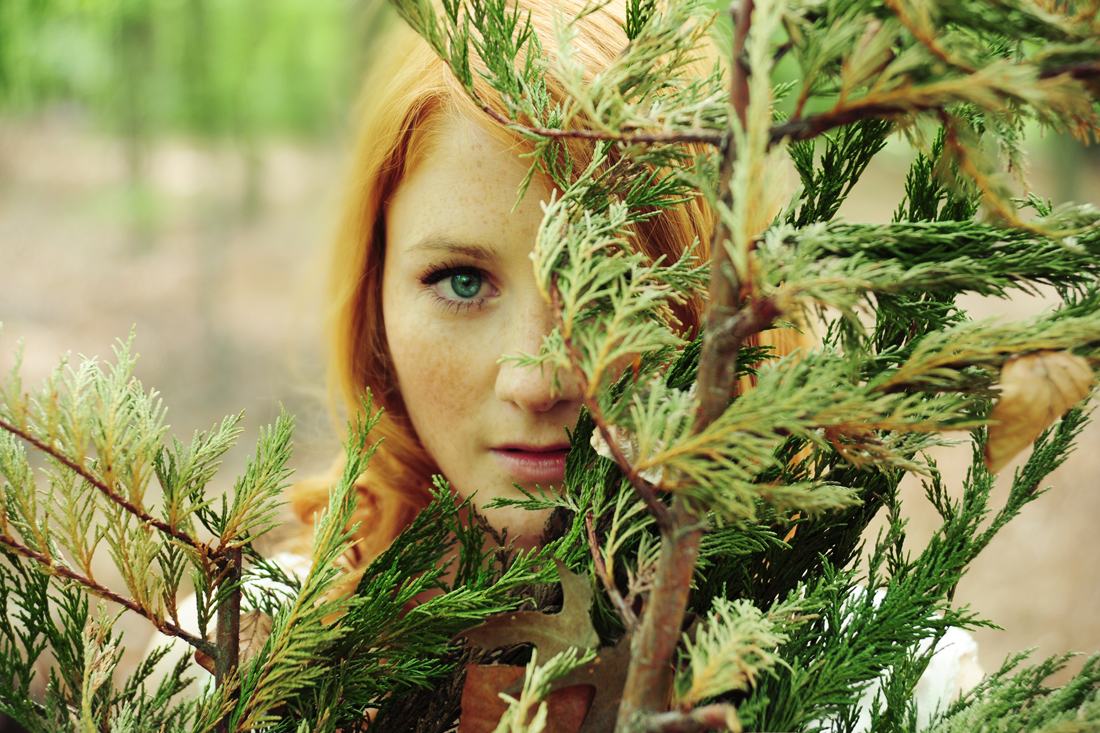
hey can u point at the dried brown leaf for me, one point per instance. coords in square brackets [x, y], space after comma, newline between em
[606, 674]
[254, 632]
[482, 705]
[1036, 390]
[550, 633]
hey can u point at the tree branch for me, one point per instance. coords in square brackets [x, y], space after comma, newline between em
[804, 128]
[649, 678]
[698, 135]
[718, 360]
[926, 40]
[106, 490]
[627, 613]
[57, 568]
[229, 627]
[1081, 71]
[793, 130]
[739, 72]
[642, 487]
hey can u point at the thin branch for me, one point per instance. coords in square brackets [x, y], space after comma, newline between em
[649, 678]
[698, 135]
[229, 627]
[793, 130]
[718, 360]
[739, 72]
[989, 196]
[929, 42]
[642, 487]
[106, 490]
[57, 568]
[1081, 71]
[804, 128]
[624, 609]
[711, 717]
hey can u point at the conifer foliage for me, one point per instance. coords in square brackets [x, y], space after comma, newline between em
[713, 529]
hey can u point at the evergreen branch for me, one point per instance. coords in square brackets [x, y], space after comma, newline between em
[709, 137]
[256, 493]
[905, 101]
[55, 567]
[734, 645]
[229, 628]
[964, 255]
[717, 363]
[1085, 70]
[925, 35]
[789, 131]
[992, 197]
[301, 631]
[627, 614]
[652, 649]
[643, 488]
[177, 534]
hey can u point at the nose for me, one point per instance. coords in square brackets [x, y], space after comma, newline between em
[532, 389]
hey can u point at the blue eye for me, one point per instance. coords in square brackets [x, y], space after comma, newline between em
[466, 285]
[459, 286]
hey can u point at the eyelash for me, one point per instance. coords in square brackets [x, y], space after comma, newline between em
[439, 273]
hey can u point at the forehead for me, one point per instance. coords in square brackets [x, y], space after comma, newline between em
[465, 185]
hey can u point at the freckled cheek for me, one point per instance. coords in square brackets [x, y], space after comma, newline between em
[439, 378]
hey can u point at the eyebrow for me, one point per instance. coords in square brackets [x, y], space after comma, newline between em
[437, 243]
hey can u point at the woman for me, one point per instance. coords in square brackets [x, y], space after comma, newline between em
[431, 284]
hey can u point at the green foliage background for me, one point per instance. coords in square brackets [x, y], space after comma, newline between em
[195, 66]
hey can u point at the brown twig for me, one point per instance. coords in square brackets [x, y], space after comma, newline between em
[739, 73]
[625, 611]
[57, 568]
[642, 487]
[650, 674]
[712, 137]
[106, 490]
[716, 367]
[926, 40]
[1081, 71]
[229, 627]
[990, 197]
[794, 130]
[711, 717]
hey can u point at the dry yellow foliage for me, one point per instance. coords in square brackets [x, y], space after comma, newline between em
[1036, 390]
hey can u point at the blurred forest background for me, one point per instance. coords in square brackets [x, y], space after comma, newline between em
[177, 164]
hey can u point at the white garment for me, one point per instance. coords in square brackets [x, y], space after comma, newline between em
[952, 671]
[188, 612]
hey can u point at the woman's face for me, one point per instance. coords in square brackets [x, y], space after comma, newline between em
[458, 293]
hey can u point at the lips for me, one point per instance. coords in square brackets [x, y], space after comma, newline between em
[543, 465]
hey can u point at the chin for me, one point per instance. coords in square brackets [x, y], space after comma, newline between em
[524, 528]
